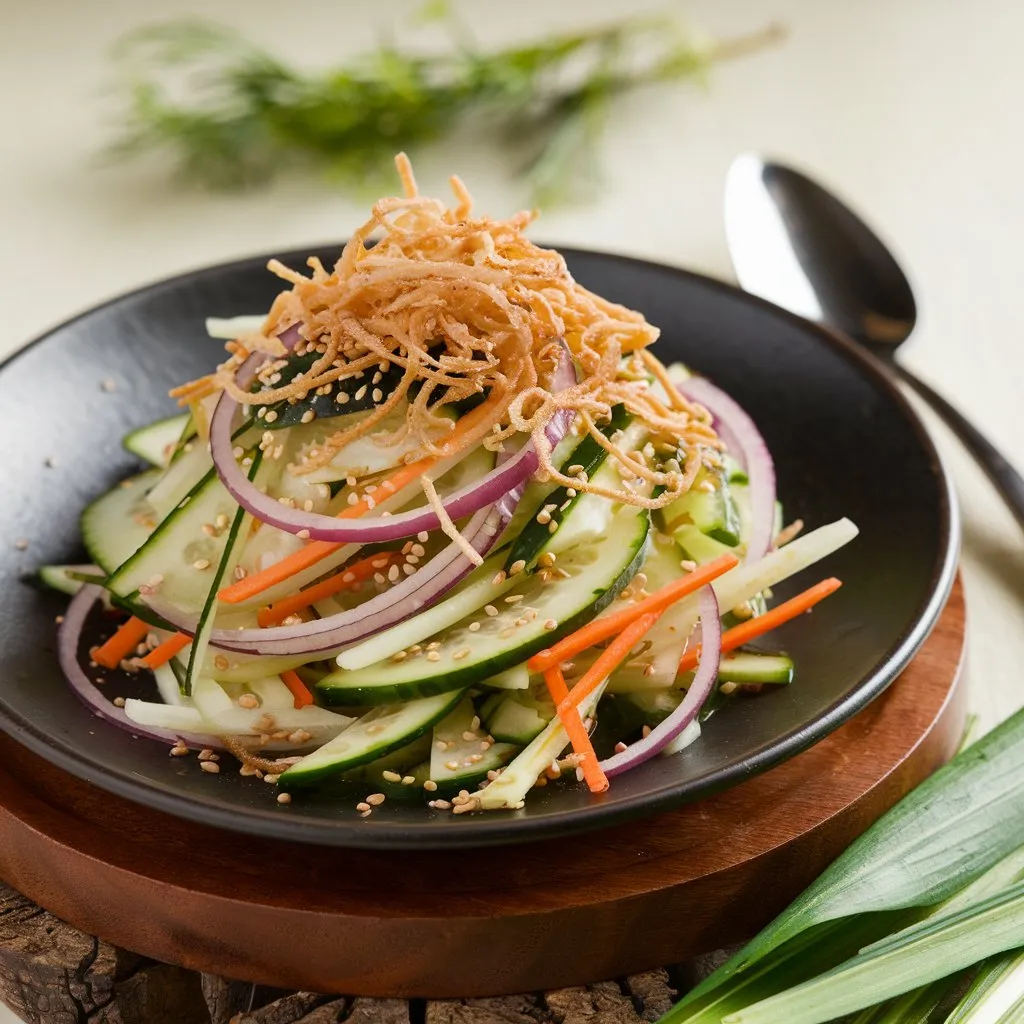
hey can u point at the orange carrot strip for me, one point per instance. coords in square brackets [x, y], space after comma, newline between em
[755, 627]
[608, 661]
[597, 781]
[313, 552]
[356, 573]
[298, 688]
[316, 550]
[600, 629]
[167, 650]
[121, 645]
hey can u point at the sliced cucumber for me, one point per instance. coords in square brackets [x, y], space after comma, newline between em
[697, 545]
[117, 524]
[751, 667]
[156, 442]
[708, 506]
[516, 718]
[364, 392]
[461, 754]
[689, 735]
[176, 717]
[509, 789]
[375, 734]
[588, 454]
[515, 678]
[545, 610]
[69, 579]
[366, 456]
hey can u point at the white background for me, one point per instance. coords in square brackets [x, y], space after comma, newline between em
[911, 109]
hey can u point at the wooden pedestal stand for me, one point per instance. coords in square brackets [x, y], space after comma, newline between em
[456, 924]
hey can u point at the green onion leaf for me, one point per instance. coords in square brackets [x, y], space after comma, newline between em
[955, 826]
[996, 993]
[920, 954]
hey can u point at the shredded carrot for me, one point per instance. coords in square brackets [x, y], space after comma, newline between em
[167, 650]
[121, 645]
[755, 627]
[603, 628]
[596, 779]
[348, 579]
[298, 689]
[608, 661]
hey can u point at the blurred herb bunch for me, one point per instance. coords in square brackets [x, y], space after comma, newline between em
[233, 115]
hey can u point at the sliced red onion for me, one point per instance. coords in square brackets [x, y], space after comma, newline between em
[69, 637]
[745, 443]
[700, 689]
[406, 598]
[470, 499]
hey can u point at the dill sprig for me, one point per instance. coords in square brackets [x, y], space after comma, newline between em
[233, 115]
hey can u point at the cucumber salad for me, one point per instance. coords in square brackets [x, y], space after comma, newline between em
[442, 525]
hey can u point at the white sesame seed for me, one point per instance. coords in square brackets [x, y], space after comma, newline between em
[391, 776]
[363, 806]
[430, 786]
[375, 799]
[513, 599]
[452, 766]
[211, 767]
[361, 393]
[272, 779]
[499, 577]
[308, 416]
[284, 798]
[433, 656]
[248, 700]
[119, 702]
[201, 563]
[393, 573]
[490, 610]
[473, 627]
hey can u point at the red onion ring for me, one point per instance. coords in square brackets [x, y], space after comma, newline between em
[69, 635]
[470, 499]
[699, 691]
[744, 441]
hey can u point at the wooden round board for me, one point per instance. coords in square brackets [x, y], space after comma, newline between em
[466, 923]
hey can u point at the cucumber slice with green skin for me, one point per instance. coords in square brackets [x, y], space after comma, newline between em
[751, 667]
[229, 558]
[118, 523]
[364, 392]
[590, 455]
[741, 498]
[698, 546]
[157, 442]
[595, 575]
[401, 760]
[377, 733]
[515, 678]
[713, 512]
[69, 579]
[461, 754]
[509, 789]
[517, 718]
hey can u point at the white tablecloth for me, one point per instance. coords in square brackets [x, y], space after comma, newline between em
[911, 110]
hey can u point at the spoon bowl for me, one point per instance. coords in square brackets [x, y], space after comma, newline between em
[796, 244]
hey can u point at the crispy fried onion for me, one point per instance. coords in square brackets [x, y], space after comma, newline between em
[468, 307]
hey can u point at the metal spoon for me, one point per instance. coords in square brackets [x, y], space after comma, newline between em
[797, 245]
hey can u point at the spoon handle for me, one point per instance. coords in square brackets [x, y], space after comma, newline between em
[1006, 480]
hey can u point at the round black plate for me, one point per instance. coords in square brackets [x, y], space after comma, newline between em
[845, 444]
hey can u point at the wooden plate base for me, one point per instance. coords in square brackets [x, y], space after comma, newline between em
[466, 923]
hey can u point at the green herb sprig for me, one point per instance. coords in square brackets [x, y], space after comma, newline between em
[233, 115]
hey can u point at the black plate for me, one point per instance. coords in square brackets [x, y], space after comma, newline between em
[845, 444]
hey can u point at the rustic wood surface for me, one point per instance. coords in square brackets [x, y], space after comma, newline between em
[432, 924]
[52, 973]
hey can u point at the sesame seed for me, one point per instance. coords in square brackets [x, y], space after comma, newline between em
[506, 633]
[360, 394]
[271, 416]
[400, 656]
[119, 702]
[408, 780]
[423, 536]
[409, 570]
[459, 655]
[308, 416]
[21, 544]
[284, 798]
[303, 534]
[363, 806]
[490, 610]
[179, 750]
[452, 766]
[220, 662]
[375, 799]
[687, 565]
[433, 656]
[499, 577]
[272, 779]
[201, 563]
[513, 599]
[473, 627]
[430, 786]
[434, 645]
[342, 398]
[543, 518]
[441, 805]
[418, 550]
[249, 770]
[376, 394]
[393, 573]
[210, 767]
[516, 567]
[551, 623]
[248, 700]
[552, 526]
[726, 688]
[391, 776]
